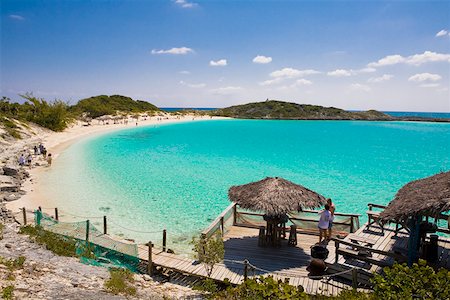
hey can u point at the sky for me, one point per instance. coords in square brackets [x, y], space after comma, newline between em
[356, 55]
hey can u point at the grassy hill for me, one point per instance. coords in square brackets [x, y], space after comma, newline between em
[272, 109]
[108, 105]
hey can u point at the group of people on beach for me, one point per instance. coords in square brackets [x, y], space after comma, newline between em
[326, 220]
[27, 159]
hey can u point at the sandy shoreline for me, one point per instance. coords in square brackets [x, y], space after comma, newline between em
[57, 142]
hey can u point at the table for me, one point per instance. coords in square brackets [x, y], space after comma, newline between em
[275, 229]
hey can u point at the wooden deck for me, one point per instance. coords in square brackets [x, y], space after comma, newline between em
[388, 242]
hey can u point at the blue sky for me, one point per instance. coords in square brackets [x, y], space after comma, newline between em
[386, 55]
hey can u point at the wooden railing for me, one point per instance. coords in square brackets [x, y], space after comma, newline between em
[350, 226]
[221, 222]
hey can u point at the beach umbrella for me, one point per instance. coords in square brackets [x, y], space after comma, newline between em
[424, 197]
[275, 196]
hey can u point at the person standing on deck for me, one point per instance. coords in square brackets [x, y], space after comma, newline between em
[324, 222]
[332, 210]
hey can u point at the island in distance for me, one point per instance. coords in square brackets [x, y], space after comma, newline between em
[280, 110]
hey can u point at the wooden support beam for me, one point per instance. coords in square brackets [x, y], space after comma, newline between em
[164, 240]
[105, 225]
[56, 214]
[150, 261]
[87, 231]
[24, 213]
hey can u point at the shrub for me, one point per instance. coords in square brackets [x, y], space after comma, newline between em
[8, 292]
[63, 246]
[420, 281]
[120, 282]
[209, 251]
[262, 288]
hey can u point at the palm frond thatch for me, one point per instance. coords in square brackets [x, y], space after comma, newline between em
[275, 196]
[427, 197]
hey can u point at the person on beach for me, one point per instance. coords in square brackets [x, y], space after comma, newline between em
[324, 222]
[41, 148]
[49, 159]
[29, 160]
[44, 152]
[35, 150]
[21, 160]
[332, 210]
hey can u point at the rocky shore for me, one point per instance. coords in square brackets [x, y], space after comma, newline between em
[45, 275]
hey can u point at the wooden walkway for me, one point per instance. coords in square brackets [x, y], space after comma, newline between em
[242, 243]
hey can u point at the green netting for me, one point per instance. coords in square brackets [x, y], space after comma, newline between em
[94, 248]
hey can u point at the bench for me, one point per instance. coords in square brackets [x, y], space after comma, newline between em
[369, 242]
[369, 259]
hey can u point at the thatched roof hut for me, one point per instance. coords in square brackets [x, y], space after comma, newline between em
[276, 196]
[424, 197]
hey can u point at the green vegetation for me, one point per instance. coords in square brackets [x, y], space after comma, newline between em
[8, 292]
[209, 251]
[52, 115]
[272, 109]
[52, 241]
[109, 105]
[398, 282]
[418, 282]
[10, 127]
[120, 282]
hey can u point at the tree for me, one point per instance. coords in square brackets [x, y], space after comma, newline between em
[209, 251]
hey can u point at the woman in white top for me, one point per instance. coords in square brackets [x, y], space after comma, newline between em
[324, 222]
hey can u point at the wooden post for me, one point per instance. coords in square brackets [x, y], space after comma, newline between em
[413, 240]
[164, 240]
[336, 256]
[56, 214]
[222, 226]
[245, 269]
[234, 214]
[40, 208]
[150, 262]
[24, 212]
[87, 231]
[105, 226]
[355, 278]
[351, 224]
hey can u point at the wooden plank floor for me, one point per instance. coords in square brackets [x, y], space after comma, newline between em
[242, 243]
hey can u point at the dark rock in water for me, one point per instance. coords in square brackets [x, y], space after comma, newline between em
[105, 209]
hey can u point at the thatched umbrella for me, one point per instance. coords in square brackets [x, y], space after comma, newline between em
[275, 196]
[424, 197]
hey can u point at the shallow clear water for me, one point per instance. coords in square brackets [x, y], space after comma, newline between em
[177, 176]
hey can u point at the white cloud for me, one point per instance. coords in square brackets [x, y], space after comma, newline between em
[185, 4]
[261, 59]
[271, 81]
[193, 85]
[427, 56]
[443, 32]
[340, 73]
[429, 85]
[184, 72]
[302, 81]
[360, 87]
[218, 63]
[292, 73]
[226, 90]
[384, 77]
[174, 51]
[416, 59]
[17, 17]
[387, 61]
[424, 77]
[366, 70]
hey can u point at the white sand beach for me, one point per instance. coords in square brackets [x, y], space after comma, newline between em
[57, 142]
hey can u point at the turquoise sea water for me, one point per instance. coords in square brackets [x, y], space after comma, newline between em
[177, 176]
